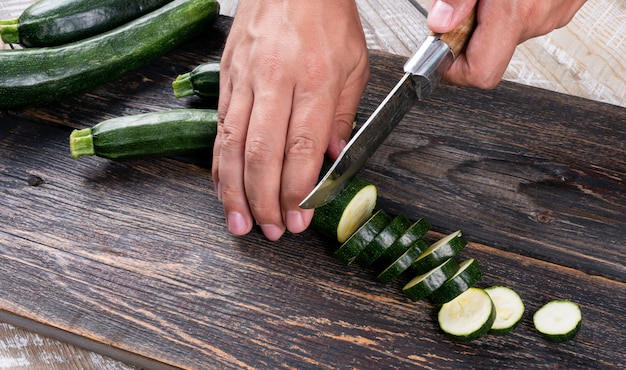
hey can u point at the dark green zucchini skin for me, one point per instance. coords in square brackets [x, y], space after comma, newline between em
[41, 75]
[203, 81]
[155, 134]
[58, 22]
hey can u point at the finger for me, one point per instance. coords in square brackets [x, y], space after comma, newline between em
[307, 140]
[222, 108]
[490, 48]
[344, 120]
[230, 161]
[321, 121]
[445, 15]
[264, 154]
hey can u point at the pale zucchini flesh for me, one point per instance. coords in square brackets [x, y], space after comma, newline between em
[469, 316]
[357, 212]
[558, 320]
[509, 309]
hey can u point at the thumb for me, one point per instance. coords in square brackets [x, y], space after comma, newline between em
[445, 15]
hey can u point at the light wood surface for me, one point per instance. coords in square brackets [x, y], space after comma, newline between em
[582, 59]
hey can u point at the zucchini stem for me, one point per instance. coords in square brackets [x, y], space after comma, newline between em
[9, 32]
[182, 86]
[81, 143]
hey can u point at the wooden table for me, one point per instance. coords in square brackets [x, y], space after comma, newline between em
[132, 260]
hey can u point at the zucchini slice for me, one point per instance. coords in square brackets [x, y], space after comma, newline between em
[558, 320]
[403, 263]
[469, 316]
[438, 252]
[341, 217]
[360, 239]
[383, 240]
[423, 285]
[410, 236]
[468, 274]
[509, 309]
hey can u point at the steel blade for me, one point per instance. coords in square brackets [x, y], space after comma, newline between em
[364, 143]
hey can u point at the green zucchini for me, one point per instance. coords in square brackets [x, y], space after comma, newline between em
[203, 81]
[383, 240]
[441, 250]
[558, 320]
[423, 285]
[509, 309]
[403, 263]
[163, 133]
[410, 236]
[467, 317]
[351, 248]
[58, 22]
[341, 217]
[468, 274]
[42, 75]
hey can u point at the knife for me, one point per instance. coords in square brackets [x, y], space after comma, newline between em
[422, 73]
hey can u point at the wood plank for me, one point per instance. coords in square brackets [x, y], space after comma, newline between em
[164, 279]
[131, 259]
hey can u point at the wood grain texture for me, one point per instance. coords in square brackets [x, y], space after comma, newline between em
[581, 59]
[134, 255]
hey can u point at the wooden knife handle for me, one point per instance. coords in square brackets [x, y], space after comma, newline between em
[457, 38]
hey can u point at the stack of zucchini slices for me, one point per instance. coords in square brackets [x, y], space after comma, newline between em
[395, 246]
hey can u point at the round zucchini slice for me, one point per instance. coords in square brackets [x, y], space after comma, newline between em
[468, 274]
[411, 235]
[558, 320]
[423, 285]
[341, 217]
[362, 237]
[383, 240]
[441, 250]
[509, 309]
[402, 264]
[469, 316]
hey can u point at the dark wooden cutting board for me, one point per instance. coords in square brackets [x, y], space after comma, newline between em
[132, 258]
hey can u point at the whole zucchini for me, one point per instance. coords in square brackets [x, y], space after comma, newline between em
[42, 75]
[58, 22]
[163, 133]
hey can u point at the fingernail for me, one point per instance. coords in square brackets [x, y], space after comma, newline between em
[295, 222]
[440, 14]
[342, 144]
[218, 190]
[272, 232]
[236, 223]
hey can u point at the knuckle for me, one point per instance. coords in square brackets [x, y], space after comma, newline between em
[303, 144]
[259, 151]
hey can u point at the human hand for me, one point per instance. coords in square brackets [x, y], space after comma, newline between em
[501, 26]
[291, 79]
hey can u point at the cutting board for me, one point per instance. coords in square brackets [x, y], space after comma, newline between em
[132, 258]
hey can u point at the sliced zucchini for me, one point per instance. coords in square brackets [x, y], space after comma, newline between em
[469, 316]
[360, 239]
[558, 320]
[509, 309]
[441, 250]
[411, 235]
[402, 264]
[423, 285]
[468, 274]
[383, 240]
[341, 217]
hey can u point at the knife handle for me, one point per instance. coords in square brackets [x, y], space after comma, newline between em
[457, 38]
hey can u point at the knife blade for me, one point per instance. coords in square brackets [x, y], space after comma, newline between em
[422, 73]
